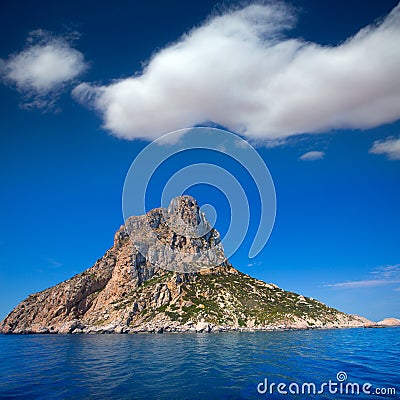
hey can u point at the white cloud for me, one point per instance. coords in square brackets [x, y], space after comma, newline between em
[54, 263]
[312, 155]
[382, 276]
[360, 284]
[237, 70]
[254, 264]
[390, 147]
[43, 68]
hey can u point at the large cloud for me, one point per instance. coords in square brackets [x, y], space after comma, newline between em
[237, 70]
[44, 67]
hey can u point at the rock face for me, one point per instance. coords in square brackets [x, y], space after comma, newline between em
[168, 286]
[178, 238]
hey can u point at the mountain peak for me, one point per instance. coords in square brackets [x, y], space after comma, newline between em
[178, 238]
[187, 209]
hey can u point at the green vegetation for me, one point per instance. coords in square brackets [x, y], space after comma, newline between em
[156, 279]
[226, 299]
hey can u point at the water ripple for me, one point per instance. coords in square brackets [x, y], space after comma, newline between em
[193, 366]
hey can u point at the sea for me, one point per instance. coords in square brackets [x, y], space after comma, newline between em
[313, 364]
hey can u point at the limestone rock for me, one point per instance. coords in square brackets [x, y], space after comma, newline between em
[179, 281]
[203, 327]
[389, 322]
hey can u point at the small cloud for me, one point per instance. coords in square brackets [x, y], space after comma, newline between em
[385, 275]
[54, 263]
[361, 284]
[43, 68]
[388, 271]
[254, 264]
[312, 156]
[389, 147]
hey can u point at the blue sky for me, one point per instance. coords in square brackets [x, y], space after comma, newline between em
[64, 152]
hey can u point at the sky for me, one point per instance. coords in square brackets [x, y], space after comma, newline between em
[313, 86]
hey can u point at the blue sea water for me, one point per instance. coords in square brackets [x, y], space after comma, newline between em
[198, 366]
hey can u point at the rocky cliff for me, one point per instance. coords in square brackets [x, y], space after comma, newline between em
[168, 286]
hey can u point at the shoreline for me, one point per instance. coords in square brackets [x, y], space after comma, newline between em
[187, 331]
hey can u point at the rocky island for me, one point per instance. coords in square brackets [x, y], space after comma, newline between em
[127, 291]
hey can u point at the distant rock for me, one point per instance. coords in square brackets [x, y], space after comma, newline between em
[389, 322]
[127, 291]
